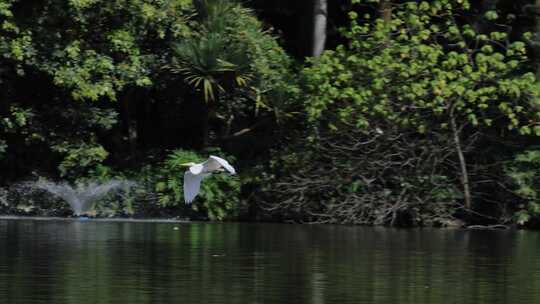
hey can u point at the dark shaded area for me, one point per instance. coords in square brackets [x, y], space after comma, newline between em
[293, 22]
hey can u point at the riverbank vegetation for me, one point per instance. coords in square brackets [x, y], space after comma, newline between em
[418, 113]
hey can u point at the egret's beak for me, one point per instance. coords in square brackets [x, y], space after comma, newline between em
[186, 164]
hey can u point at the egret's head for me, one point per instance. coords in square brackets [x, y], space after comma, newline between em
[190, 164]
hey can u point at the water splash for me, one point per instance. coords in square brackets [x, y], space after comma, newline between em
[82, 196]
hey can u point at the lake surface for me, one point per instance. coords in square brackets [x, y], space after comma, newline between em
[88, 262]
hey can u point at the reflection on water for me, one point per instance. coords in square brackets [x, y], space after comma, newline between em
[88, 262]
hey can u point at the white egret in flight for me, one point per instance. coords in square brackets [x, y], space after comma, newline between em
[196, 172]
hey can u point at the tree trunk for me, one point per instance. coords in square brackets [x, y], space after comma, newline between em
[462, 161]
[320, 15]
[385, 7]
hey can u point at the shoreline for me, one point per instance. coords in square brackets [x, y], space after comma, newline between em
[495, 227]
[90, 219]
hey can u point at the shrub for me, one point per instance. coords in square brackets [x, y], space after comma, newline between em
[524, 172]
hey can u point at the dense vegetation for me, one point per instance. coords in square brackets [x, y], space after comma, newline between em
[418, 112]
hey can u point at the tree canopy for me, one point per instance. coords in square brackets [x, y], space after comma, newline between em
[417, 112]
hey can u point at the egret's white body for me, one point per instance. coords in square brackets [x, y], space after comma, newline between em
[196, 172]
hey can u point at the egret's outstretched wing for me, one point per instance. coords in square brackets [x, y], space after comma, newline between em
[214, 163]
[192, 184]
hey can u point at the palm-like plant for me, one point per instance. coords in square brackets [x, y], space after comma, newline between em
[199, 64]
[209, 61]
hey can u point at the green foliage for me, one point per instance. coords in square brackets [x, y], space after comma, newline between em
[273, 86]
[208, 60]
[424, 69]
[90, 52]
[16, 120]
[79, 158]
[230, 57]
[92, 85]
[219, 194]
[87, 86]
[419, 69]
[524, 172]
[205, 62]
[102, 50]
